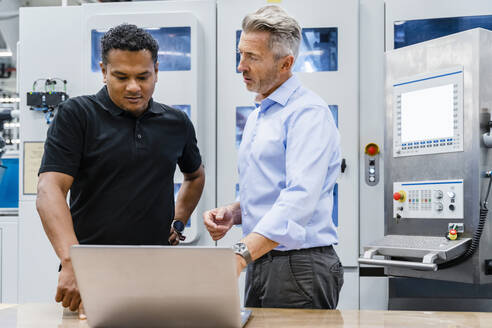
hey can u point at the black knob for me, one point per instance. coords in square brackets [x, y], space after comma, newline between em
[451, 207]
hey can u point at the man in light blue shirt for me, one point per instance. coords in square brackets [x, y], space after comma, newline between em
[289, 160]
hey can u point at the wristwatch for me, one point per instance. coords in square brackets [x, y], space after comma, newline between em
[178, 227]
[242, 249]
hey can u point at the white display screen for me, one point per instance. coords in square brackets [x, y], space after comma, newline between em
[427, 114]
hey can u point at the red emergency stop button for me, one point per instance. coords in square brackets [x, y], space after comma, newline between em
[372, 149]
[399, 196]
[453, 234]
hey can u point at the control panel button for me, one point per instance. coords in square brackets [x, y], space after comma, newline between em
[451, 207]
[439, 207]
[438, 194]
[371, 150]
[451, 194]
[399, 196]
[453, 234]
[372, 170]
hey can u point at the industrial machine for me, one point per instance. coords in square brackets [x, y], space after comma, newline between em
[9, 161]
[437, 163]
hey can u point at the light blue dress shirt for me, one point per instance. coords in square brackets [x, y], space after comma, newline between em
[289, 160]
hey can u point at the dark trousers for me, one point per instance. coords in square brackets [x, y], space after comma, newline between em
[308, 278]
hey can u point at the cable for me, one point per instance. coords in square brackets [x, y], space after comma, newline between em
[36, 82]
[476, 235]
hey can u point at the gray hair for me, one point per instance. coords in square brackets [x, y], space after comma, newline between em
[285, 32]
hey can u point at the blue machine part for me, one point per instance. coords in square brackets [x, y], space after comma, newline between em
[174, 48]
[242, 113]
[184, 108]
[176, 190]
[318, 51]
[419, 30]
[9, 183]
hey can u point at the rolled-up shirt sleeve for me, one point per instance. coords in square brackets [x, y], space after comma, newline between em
[311, 154]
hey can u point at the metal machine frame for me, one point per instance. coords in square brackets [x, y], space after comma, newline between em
[408, 239]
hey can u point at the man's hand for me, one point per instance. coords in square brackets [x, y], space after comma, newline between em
[240, 264]
[81, 311]
[218, 221]
[67, 292]
[175, 237]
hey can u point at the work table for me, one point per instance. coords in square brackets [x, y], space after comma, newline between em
[53, 315]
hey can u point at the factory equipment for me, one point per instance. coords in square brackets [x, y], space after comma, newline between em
[6, 115]
[47, 101]
[437, 165]
[9, 162]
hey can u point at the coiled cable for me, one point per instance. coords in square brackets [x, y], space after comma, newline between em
[476, 235]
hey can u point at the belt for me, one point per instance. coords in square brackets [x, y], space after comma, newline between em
[275, 253]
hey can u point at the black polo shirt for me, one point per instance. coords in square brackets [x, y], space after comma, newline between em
[123, 167]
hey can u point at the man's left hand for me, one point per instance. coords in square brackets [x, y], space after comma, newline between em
[173, 237]
[240, 264]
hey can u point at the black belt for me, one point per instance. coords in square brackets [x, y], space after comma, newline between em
[274, 253]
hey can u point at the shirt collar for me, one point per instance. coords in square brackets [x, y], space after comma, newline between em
[282, 94]
[110, 106]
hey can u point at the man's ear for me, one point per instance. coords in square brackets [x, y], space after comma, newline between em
[103, 70]
[287, 63]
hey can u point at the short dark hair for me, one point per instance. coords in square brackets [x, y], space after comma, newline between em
[128, 37]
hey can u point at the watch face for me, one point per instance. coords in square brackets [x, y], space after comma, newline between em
[239, 247]
[178, 226]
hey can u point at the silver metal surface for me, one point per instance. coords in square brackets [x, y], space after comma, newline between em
[471, 50]
[146, 286]
[418, 246]
[403, 264]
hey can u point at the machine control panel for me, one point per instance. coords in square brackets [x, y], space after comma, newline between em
[371, 164]
[437, 199]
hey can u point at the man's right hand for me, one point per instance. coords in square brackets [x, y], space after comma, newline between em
[67, 292]
[218, 221]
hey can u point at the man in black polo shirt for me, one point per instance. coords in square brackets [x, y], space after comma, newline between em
[116, 152]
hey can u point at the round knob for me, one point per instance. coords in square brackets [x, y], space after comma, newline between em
[451, 207]
[372, 179]
[451, 194]
[372, 171]
[438, 207]
[438, 194]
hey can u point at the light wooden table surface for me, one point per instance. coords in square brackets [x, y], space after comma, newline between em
[53, 315]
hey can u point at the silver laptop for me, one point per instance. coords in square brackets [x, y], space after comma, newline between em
[158, 286]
